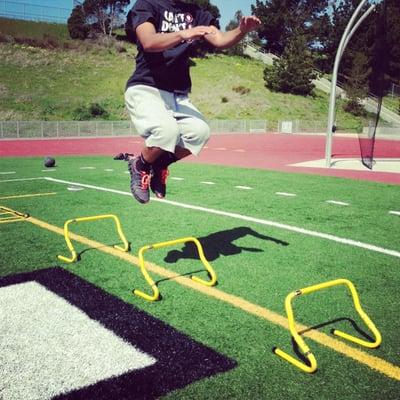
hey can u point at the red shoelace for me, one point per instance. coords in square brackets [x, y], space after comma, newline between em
[145, 180]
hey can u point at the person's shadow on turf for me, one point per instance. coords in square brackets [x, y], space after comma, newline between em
[219, 243]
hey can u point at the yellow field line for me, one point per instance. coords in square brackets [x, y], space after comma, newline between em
[373, 362]
[27, 195]
[8, 221]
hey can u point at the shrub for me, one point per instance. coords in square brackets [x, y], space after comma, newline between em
[6, 38]
[241, 90]
[91, 111]
[354, 107]
[120, 47]
[47, 42]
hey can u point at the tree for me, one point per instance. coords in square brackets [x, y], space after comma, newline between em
[281, 18]
[236, 50]
[77, 26]
[385, 48]
[356, 85]
[341, 12]
[105, 14]
[293, 72]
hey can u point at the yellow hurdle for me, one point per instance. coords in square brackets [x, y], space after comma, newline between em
[156, 293]
[13, 216]
[312, 367]
[85, 219]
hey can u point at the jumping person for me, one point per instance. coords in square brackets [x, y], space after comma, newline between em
[156, 95]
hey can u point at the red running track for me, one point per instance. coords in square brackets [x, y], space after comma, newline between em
[265, 151]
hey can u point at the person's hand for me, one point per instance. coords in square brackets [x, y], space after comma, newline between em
[198, 32]
[249, 24]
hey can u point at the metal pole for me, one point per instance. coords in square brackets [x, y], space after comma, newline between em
[359, 22]
[332, 100]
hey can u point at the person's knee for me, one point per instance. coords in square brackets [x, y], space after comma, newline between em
[166, 129]
[164, 134]
[200, 132]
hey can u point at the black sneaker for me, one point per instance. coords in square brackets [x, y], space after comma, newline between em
[158, 182]
[140, 180]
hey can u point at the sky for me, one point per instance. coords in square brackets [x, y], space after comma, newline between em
[227, 8]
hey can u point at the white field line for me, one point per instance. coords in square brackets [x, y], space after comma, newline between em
[87, 168]
[21, 179]
[208, 183]
[175, 178]
[394, 212]
[291, 228]
[7, 173]
[338, 203]
[286, 194]
[244, 187]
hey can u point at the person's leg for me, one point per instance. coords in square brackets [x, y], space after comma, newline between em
[194, 133]
[190, 138]
[194, 130]
[151, 113]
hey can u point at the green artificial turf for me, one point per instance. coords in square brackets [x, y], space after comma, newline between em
[256, 262]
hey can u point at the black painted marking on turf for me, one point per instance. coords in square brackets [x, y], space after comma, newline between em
[180, 360]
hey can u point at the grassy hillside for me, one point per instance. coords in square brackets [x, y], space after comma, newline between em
[36, 30]
[61, 82]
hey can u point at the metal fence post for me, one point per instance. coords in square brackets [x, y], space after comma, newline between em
[17, 129]
[1, 129]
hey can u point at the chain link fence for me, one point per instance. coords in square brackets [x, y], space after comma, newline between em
[76, 129]
[66, 129]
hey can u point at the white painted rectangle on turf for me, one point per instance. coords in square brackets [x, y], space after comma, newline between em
[49, 347]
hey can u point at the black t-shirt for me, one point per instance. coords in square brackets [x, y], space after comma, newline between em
[167, 70]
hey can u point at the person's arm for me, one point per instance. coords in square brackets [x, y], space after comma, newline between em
[224, 40]
[154, 42]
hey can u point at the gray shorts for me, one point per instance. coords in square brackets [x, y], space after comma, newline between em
[166, 119]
